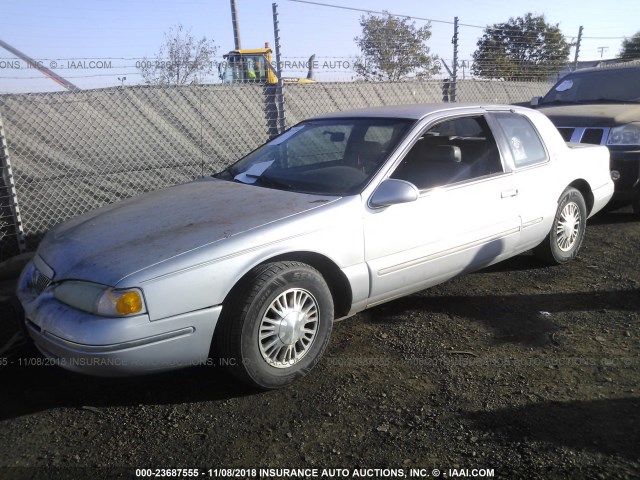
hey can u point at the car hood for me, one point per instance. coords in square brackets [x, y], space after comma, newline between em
[112, 242]
[592, 115]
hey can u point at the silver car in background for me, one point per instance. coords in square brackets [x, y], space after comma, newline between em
[340, 213]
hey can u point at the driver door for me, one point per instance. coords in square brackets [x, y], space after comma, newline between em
[465, 217]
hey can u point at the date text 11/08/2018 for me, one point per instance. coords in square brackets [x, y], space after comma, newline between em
[268, 473]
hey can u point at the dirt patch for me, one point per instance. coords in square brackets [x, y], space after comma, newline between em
[531, 371]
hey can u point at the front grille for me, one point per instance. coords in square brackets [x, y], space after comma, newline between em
[39, 281]
[592, 135]
[566, 133]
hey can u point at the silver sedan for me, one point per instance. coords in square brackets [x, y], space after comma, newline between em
[250, 267]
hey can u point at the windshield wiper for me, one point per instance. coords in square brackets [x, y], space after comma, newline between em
[556, 102]
[269, 181]
[610, 100]
[590, 100]
[223, 174]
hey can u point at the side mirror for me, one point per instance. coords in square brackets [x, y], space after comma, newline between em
[392, 192]
[535, 101]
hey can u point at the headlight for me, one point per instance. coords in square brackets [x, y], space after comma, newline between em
[101, 300]
[628, 134]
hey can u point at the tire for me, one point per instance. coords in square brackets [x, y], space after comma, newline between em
[567, 232]
[275, 325]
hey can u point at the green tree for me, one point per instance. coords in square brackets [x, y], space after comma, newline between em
[524, 48]
[181, 60]
[393, 49]
[631, 48]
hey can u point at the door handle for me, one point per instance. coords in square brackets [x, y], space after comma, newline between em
[509, 193]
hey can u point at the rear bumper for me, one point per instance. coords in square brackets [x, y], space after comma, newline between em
[601, 196]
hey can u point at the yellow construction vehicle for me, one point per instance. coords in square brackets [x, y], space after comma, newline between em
[255, 66]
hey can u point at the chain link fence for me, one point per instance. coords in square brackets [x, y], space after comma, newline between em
[10, 223]
[67, 153]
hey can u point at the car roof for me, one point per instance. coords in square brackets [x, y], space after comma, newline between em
[606, 68]
[411, 111]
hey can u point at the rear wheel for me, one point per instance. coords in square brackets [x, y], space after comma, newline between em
[567, 232]
[276, 324]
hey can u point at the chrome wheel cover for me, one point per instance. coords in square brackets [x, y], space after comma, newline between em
[568, 227]
[288, 328]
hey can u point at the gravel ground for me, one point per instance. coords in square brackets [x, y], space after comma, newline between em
[531, 371]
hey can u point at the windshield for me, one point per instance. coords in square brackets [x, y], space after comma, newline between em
[615, 85]
[329, 157]
[245, 68]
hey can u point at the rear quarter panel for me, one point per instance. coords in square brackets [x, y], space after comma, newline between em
[573, 163]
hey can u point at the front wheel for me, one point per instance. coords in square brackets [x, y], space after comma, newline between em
[276, 324]
[567, 232]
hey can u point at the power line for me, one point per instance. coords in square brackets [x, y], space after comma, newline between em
[342, 7]
[605, 38]
[412, 17]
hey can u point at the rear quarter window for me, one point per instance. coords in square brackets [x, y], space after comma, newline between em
[523, 139]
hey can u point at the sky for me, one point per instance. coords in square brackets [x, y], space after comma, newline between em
[100, 43]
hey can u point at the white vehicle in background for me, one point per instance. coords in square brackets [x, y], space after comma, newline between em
[340, 213]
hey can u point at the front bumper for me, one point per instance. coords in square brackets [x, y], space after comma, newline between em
[86, 343]
[627, 164]
[178, 347]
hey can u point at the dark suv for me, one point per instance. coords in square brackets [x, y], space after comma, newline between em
[602, 106]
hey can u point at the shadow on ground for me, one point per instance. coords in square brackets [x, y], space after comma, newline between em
[610, 426]
[521, 319]
[30, 385]
[612, 214]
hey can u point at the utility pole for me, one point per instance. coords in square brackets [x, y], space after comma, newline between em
[236, 26]
[575, 64]
[602, 50]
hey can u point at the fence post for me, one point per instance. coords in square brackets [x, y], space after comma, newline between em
[276, 34]
[575, 63]
[10, 200]
[454, 77]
